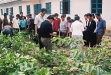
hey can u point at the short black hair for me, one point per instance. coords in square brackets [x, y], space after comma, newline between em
[98, 14]
[76, 15]
[93, 15]
[77, 18]
[18, 15]
[63, 15]
[90, 15]
[43, 10]
[5, 14]
[85, 15]
[68, 18]
[21, 12]
[30, 14]
[50, 17]
[56, 14]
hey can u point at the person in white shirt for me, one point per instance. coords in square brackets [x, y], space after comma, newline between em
[15, 23]
[38, 20]
[77, 30]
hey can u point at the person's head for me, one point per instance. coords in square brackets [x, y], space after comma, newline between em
[62, 17]
[17, 16]
[21, 13]
[43, 11]
[93, 16]
[77, 18]
[30, 15]
[90, 16]
[98, 16]
[75, 15]
[56, 15]
[22, 17]
[27, 16]
[68, 19]
[85, 16]
[5, 15]
[50, 18]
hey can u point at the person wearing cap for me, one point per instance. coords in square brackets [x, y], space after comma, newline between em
[46, 32]
[77, 31]
[101, 28]
[5, 20]
[56, 23]
[90, 30]
[38, 20]
[63, 27]
[15, 23]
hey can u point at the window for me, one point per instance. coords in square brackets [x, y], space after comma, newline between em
[11, 10]
[7, 10]
[65, 7]
[1, 11]
[37, 8]
[48, 7]
[20, 9]
[28, 9]
[96, 6]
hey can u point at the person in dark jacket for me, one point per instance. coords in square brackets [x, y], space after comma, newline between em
[0, 25]
[90, 30]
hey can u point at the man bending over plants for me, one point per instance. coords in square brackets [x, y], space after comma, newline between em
[7, 30]
[46, 32]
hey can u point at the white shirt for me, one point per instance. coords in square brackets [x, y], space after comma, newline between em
[96, 25]
[77, 28]
[16, 23]
[63, 26]
[39, 19]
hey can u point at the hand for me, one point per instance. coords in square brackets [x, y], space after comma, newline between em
[54, 33]
[36, 34]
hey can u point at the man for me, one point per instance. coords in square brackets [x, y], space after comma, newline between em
[63, 27]
[56, 23]
[94, 40]
[7, 30]
[46, 32]
[77, 30]
[0, 25]
[5, 20]
[101, 28]
[38, 20]
[85, 27]
[90, 30]
[21, 15]
[15, 23]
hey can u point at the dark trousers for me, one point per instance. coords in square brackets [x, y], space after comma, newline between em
[40, 43]
[62, 34]
[94, 39]
[47, 43]
[89, 39]
[99, 38]
[85, 37]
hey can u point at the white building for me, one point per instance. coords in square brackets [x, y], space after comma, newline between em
[69, 7]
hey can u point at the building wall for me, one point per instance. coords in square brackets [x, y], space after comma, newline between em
[106, 13]
[79, 7]
[16, 7]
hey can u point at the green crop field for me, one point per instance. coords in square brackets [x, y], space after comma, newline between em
[20, 56]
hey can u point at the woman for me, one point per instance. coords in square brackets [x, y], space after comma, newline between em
[22, 23]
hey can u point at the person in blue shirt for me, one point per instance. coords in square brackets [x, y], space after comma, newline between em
[101, 28]
[22, 23]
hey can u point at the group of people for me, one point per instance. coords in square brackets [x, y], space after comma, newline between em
[18, 23]
[47, 26]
